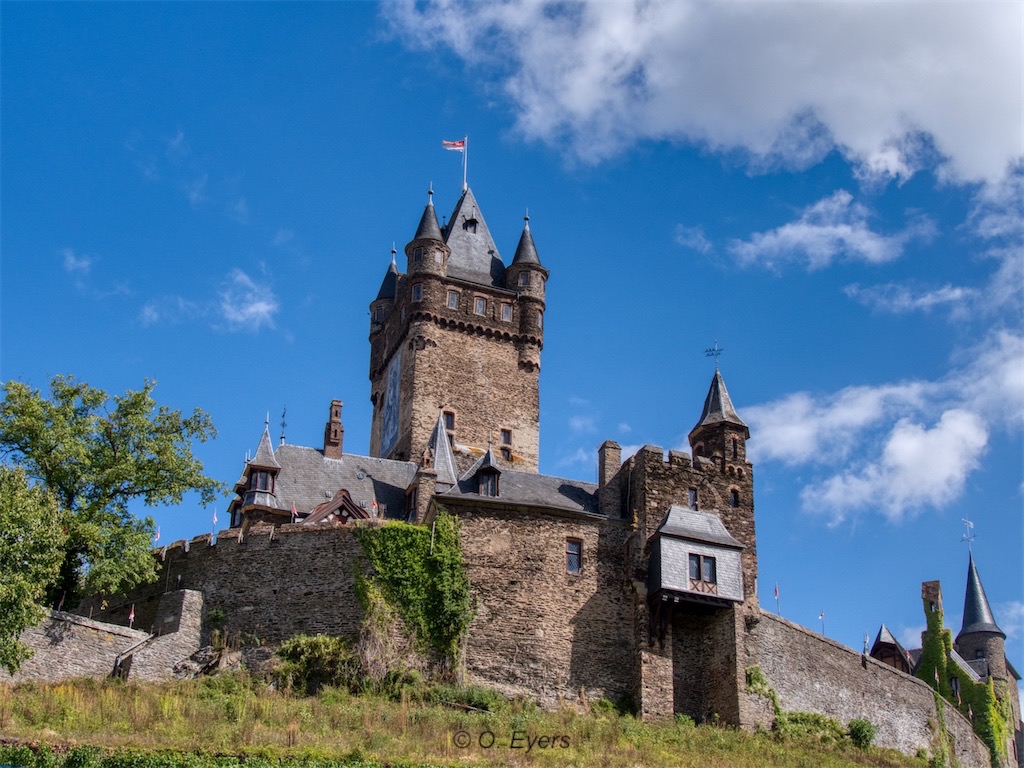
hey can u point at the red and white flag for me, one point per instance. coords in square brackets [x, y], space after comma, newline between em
[131, 616]
[455, 146]
[215, 517]
[776, 590]
[156, 537]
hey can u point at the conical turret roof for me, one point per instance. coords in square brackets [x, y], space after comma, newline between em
[474, 256]
[428, 228]
[718, 407]
[389, 286]
[526, 252]
[977, 612]
[264, 457]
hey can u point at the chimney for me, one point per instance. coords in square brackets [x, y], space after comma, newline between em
[334, 433]
[609, 460]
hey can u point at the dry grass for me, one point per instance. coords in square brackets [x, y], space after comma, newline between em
[231, 714]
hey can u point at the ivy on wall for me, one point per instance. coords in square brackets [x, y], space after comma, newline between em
[419, 571]
[989, 715]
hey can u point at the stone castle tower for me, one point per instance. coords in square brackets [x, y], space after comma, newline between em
[458, 334]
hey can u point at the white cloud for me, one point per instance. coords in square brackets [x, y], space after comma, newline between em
[245, 304]
[901, 299]
[1010, 618]
[75, 264]
[624, 428]
[832, 228]
[693, 238]
[893, 85]
[918, 467]
[895, 449]
[801, 428]
[282, 238]
[579, 456]
[582, 424]
[169, 310]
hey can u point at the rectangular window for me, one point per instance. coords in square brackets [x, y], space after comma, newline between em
[692, 498]
[506, 437]
[573, 556]
[417, 255]
[453, 299]
[524, 279]
[488, 484]
[540, 319]
[449, 420]
[417, 292]
[734, 498]
[703, 574]
[261, 480]
[506, 313]
[506, 454]
[480, 305]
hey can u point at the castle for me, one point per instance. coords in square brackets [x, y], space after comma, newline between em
[642, 586]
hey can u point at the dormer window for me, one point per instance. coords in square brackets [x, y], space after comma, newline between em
[261, 480]
[488, 483]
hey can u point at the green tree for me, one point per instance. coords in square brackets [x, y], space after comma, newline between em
[32, 538]
[96, 454]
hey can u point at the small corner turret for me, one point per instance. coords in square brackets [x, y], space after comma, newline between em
[427, 253]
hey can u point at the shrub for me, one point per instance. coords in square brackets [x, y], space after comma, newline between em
[861, 732]
[314, 661]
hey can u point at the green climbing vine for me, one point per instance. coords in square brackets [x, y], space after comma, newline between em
[989, 715]
[420, 572]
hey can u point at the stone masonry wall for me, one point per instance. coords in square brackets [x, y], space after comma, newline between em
[66, 646]
[811, 673]
[259, 585]
[539, 631]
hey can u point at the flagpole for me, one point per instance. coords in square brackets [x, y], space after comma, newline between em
[465, 160]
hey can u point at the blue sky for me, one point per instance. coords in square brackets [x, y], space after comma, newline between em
[207, 195]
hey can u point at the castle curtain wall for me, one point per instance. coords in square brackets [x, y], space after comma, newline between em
[811, 673]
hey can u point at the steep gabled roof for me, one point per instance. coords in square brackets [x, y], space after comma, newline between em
[531, 489]
[718, 407]
[977, 612]
[444, 459]
[885, 637]
[474, 256]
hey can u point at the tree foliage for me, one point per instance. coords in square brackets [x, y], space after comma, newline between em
[32, 537]
[96, 454]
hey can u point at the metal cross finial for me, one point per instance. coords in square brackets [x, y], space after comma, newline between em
[715, 352]
[969, 535]
[283, 423]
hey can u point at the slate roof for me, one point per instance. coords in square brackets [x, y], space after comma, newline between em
[959, 660]
[474, 256]
[389, 286]
[885, 637]
[686, 523]
[977, 612]
[531, 489]
[307, 479]
[428, 228]
[444, 459]
[718, 406]
[264, 457]
[526, 251]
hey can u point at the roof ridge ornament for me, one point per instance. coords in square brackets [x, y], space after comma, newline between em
[715, 352]
[969, 536]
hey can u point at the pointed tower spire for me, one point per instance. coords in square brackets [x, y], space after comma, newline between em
[389, 285]
[977, 612]
[718, 407]
[428, 228]
[526, 251]
[264, 457]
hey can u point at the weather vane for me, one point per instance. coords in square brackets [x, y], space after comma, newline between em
[715, 352]
[969, 535]
[284, 423]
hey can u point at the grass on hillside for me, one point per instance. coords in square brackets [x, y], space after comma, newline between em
[231, 714]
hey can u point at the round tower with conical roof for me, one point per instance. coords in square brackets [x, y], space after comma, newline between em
[980, 637]
[529, 278]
